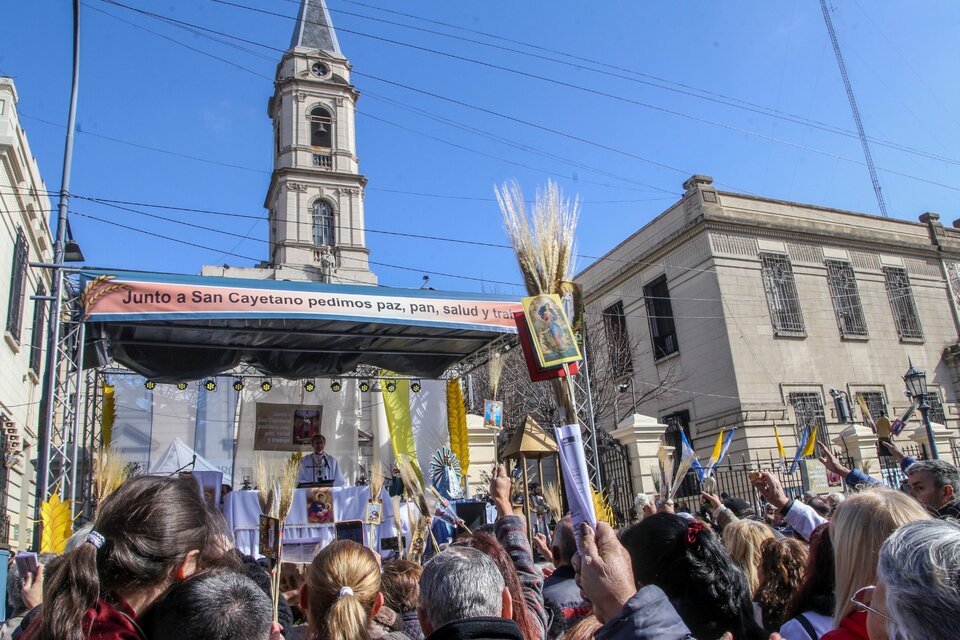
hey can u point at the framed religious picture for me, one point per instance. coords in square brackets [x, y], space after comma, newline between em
[320, 506]
[493, 414]
[374, 512]
[269, 537]
[553, 340]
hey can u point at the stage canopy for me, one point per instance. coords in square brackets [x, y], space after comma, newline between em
[172, 328]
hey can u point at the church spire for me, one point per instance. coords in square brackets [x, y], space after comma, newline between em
[314, 28]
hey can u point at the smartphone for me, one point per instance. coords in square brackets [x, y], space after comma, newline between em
[350, 530]
[392, 543]
[26, 563]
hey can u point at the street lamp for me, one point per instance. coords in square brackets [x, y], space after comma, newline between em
[916, 382]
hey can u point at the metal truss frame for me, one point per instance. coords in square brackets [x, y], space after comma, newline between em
[588, 428]
[60, 440]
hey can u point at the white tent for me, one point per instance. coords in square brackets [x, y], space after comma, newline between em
[180, 457]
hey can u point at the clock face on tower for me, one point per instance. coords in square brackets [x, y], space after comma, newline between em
[319, 69]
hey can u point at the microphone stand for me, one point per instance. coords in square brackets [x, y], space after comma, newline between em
[191, 464]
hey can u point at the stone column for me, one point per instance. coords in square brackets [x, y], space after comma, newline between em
[861, 443]
[482, 453]
[941, 434]
[641, 436]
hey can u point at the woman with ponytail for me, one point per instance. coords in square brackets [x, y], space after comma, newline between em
[150, 533]
[686, 559]
[342, 594]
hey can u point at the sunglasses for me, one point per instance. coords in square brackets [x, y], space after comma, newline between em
[858, 600]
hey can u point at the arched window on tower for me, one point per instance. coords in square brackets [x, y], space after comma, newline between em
[322, 224]
[321, 128]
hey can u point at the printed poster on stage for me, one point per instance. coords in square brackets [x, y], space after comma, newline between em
[550, 332]
[320, 505]
[286, 427]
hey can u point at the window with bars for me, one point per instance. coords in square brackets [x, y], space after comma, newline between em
[935, 413]
[663, 332]
[808, 409]
[781, 289]
[618, 340]
[846, 298]
[902, 304]
[322, 224]
[18, 286]
[875, 402]
[36, 338]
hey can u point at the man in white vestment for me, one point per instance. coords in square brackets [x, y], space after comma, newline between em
[320, 465]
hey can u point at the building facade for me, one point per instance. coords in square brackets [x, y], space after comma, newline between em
[24, 207]
[315, 199]
[747, 312]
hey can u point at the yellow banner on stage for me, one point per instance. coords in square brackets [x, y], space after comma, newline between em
[397, 406]
[108, 413]
[457, 421]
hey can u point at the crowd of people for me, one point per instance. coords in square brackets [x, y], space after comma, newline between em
[875, 564]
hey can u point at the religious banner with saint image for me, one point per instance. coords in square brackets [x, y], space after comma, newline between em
[553, 340]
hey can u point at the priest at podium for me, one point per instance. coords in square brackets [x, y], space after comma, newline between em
[320, 466]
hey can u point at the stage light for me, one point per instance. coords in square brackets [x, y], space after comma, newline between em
[210, 385]
[181, 386]
[364, 385]
[150, 384]
[391, 385]
[238, 384]
[309, 386]
[336, 385]
[266, 385]
[415, 386]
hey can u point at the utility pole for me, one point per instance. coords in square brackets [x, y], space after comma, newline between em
[48, 404]
[853, 107]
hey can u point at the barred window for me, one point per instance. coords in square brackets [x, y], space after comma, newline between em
[36, 339]
[902, 305]
[781, 289]
[935, 412]
[663, 332]
[808, 408]
[618, 340]
[846, 298]
[18, 286]
[875, 402]
[322, 224]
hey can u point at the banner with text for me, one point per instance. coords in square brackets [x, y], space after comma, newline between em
[119, 297]
[286, 427]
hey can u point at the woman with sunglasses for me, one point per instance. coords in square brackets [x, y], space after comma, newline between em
[861, 525]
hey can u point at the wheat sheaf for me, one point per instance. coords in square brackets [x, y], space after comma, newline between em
[97, 289]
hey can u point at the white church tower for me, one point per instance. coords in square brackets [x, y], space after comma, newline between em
[315, 199]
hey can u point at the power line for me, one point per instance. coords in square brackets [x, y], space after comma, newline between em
[684, 89]
[528, 123]
[119, 204]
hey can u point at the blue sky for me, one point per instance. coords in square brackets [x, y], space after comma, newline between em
[670, 72]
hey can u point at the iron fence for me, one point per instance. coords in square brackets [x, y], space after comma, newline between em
[733, 480]
[617, 479]
[890, 469]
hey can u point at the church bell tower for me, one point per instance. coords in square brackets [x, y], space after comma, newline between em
[315, 200]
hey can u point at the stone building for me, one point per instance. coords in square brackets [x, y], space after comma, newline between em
[24, 207]
[315, 199]
[753, 309]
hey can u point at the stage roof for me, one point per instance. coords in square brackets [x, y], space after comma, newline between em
[171, 328]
